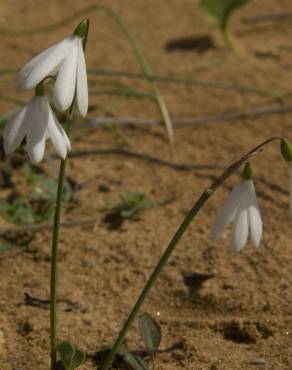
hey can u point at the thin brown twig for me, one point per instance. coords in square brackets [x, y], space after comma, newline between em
[266, 17]
[46, 226]
[163, 162]
[145, 157]
[176, 166]
[67, 224]
[194, 121]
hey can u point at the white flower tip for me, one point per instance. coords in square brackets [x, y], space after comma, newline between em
[237, 245]
[60, 104]
[21, 81]
[83, 111]
[36, 153]
[257, 244]
[68, 144]
[18, 83]
[63, 155]
[35, 158]
[7, 148]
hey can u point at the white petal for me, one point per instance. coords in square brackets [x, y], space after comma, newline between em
[68, 144]
[82, 88]
[36, 136]
[64, 88]
[15, 130]
[44, 64]
[240, 225]
[227, 213]
[254, 217]
[290, 189]
[57, 134]
[255, 225]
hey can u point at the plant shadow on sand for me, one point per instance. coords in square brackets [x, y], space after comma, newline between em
[200, 44]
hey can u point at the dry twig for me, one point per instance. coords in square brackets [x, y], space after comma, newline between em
[194, 121]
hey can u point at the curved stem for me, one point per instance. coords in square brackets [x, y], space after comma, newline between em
[173, 243]
[145, 68]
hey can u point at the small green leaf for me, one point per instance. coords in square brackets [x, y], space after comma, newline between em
[38, 205]
[134, 361]
[66, 352]
[71, 357]
[127, 213]
[221, 10]
[150, 332]
[131, 202]
[78, 359]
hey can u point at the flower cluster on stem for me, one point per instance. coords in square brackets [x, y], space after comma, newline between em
[36, 121]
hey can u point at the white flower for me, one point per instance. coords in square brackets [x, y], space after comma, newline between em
[37, 122]
[241, 208]
[66, 61]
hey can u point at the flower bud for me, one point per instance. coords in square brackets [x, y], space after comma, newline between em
[247, 172]
[82, 28]
[286, 150]
[40, 89]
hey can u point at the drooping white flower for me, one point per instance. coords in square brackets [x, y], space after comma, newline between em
[66, 61]
[37, 122]
[240, 208]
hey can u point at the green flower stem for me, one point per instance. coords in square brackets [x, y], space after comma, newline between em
[171, 247]
[57, 221]
[228, 39]
[54, 256]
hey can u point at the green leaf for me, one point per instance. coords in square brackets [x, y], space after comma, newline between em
[71, 357]
[78, 359]
[39, 204]
[132, 198]
[150, 332]
[131, 202]
[220, 11]
[66, 352]
[127, 213]
[134, 361]
[18, 211]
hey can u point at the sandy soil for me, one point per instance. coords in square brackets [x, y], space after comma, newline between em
[217, 309]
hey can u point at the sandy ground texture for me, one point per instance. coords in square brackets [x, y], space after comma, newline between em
[217, 309]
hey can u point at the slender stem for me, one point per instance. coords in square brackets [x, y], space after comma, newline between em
[56, 231]
[54, 258]
[169, 250]
[54, 255]
[228, 39]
